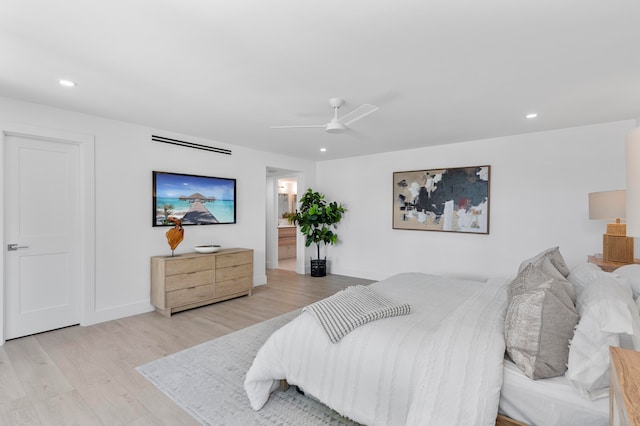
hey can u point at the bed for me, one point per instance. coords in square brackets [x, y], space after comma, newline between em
[382, 372]
[442, 364]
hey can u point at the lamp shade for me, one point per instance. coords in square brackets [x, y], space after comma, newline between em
[633, 183]
[607, 205]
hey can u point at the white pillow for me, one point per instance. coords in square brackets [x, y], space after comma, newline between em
[614, 306]
[632, 274]
[588, 366]
[608, 316]
[582, 275]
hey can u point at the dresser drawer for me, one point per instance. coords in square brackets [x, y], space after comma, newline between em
[287, 232]
[237, 285]
[233, 272]
[233, 259]
[192, 279]
[189, 295]
[286, 252]
[180, 266]
[287, 241]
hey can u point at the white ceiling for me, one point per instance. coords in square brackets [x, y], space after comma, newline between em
[441, 71]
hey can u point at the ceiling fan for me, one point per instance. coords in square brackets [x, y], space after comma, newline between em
[339, 124]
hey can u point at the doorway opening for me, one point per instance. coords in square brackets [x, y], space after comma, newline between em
[287, 233]
[283, 244]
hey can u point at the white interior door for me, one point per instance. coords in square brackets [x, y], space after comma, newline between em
[43, 221]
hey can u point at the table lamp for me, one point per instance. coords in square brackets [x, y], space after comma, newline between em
[609, 205]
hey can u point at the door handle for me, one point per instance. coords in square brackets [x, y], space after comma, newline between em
[15, 247]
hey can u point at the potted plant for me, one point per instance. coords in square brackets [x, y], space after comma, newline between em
[316, 219]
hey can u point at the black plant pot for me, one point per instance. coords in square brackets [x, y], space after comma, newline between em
[319, 267]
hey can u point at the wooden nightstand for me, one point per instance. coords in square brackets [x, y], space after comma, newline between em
[624, 390]
[608, 266]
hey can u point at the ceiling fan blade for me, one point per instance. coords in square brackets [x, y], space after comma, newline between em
[358, 113]
[297, 127]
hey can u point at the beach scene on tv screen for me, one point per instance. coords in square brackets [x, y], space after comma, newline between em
[195, 200]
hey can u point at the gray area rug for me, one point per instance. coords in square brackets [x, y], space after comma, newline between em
[207, 381]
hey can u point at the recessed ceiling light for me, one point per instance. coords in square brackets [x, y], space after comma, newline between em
[532, 115]
[67, 83]
[323, 149]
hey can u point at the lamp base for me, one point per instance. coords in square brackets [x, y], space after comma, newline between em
[617, 248]
[617, 229]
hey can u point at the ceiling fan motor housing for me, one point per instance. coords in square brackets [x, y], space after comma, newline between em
[335, 127]
[336, 102]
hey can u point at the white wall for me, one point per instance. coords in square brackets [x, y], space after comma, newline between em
[125, 156]
[539, 186]
[538, 199]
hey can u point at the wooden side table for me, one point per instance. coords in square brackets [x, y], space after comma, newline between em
[608, 266]
[624, 390]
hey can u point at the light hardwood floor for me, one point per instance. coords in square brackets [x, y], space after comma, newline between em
[85, 375]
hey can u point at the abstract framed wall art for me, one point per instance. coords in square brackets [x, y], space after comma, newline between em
[451, 200]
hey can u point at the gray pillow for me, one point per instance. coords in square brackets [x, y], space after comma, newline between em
[539, 324]
[554, 257]
[532, 276]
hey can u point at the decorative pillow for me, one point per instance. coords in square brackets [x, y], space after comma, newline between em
[532, 276]
[608, 317]
[539, 323]
[632, 274]
[555, 258]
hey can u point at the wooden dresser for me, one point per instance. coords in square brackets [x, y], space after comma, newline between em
[624, 390]
[195, 279]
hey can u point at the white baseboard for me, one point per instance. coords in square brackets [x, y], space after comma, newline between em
[116, 312]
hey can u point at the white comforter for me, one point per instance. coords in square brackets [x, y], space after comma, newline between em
[439, 365]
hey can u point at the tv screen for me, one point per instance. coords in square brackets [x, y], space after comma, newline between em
[195, 200]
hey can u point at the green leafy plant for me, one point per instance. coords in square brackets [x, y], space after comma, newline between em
[317, 218]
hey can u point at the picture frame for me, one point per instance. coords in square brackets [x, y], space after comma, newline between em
[194, 199]
[448, 199]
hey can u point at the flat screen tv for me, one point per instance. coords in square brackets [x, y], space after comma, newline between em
[195, 200]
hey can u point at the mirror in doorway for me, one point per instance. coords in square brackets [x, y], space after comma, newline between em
[286, 204]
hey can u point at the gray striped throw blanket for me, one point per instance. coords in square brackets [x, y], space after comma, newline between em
[352, 307]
